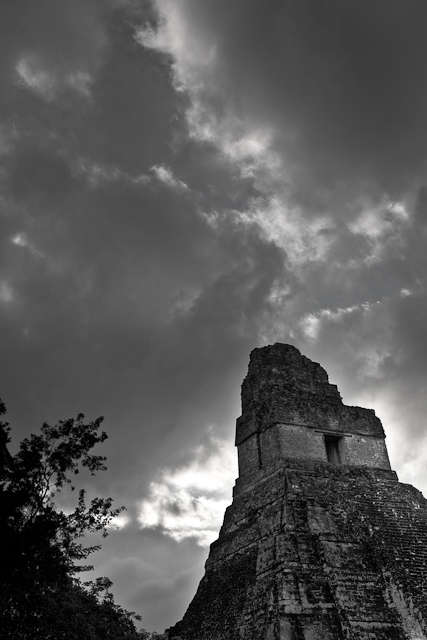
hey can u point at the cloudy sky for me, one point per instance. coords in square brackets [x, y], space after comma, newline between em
[182, 181]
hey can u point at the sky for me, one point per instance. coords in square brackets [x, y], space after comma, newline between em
[182, 181]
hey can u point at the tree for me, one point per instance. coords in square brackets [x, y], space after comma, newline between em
[41, 595]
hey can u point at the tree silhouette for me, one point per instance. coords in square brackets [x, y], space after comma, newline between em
[42, 553]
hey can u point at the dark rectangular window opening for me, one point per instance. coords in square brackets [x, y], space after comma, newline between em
[333, 449]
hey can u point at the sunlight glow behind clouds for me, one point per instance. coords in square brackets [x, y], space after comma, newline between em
[380, 219]
[48, 82]
[97, 174]
[369, 354]
[166, 176]
[189, 502]
[119, 521]
[311, 323]
[304, 240]
[190, 54]
[6, 292]
[20, 240]
[36, 78]
[247, 145]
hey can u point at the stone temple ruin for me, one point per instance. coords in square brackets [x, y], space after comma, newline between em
[321, 540]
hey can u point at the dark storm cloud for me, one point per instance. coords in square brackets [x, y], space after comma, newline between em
[341, 83]
[120, 297]
[54, 39]
[110, 271]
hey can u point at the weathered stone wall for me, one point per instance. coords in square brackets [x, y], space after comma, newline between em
[326, 552]
[261, 453]
[286, 387]
[288, 405]
[249, 456]
[311, 550]
[300, 442]
[264, 450]
[366, 451]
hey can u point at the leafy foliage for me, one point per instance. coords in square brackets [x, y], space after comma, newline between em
[41, 595]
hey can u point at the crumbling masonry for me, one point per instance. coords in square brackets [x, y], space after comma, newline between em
[321, 541]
